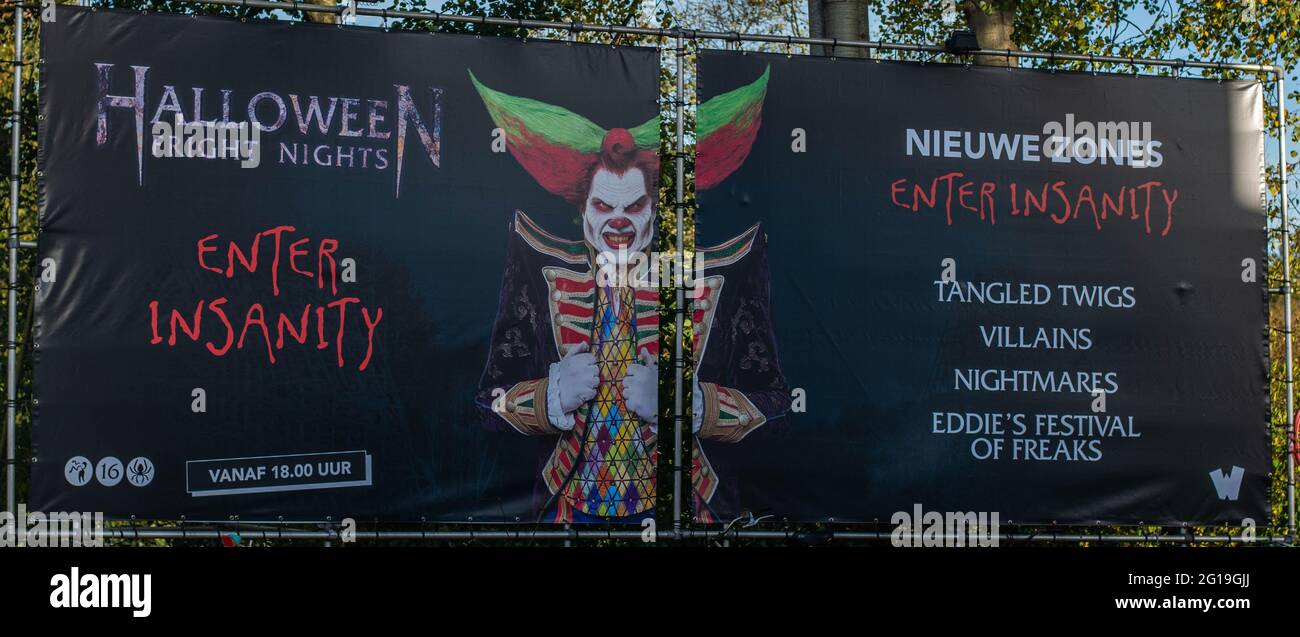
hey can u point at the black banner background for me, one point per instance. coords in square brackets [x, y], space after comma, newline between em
[431, 258]
[860, 329]
[856, 320]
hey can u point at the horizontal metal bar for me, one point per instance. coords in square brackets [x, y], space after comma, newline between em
[334, 535]
[552, 535]
[696, 34]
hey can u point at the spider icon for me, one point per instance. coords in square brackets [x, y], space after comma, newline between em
[140, 472]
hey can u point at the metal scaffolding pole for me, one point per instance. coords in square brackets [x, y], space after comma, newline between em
[729, 36]
[699, 535]
[11, 366]
[1286, 305]
[679, 420]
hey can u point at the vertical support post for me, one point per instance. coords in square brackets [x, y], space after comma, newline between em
[1286, 300]
[11, 346]
[679, 421]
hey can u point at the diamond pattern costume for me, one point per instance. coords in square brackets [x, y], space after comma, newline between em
[616, 472]
[603, 468]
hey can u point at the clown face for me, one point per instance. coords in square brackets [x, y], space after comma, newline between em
[617, 214]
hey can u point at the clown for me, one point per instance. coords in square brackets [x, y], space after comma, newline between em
[573, 353]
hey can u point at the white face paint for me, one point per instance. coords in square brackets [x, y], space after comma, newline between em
[616, 218]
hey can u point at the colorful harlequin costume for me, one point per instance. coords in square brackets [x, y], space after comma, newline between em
[553, 305]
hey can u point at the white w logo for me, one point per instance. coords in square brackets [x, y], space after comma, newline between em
[1228, 485]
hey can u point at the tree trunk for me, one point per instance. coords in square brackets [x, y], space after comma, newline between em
[993, 30]
[317, 16]
[841, 20]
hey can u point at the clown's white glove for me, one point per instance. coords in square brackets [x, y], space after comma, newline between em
[697, 407]
[570, 383]
[641, 389]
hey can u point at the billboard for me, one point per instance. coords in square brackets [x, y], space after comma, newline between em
[980, 289]
[300, 271]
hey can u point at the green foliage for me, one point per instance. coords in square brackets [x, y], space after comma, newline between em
[27, 201]
[767, 17]
[616, 12]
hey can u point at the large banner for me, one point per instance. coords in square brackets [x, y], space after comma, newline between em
[931, 288]
[297, 271]
[303, 272]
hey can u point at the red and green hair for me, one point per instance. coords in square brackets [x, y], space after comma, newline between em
[725, 129]
[562, 149]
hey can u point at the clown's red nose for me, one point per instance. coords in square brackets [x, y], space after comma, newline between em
[620, 223]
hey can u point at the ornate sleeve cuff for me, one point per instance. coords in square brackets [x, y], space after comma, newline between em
[728, 414]
[525, 407]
